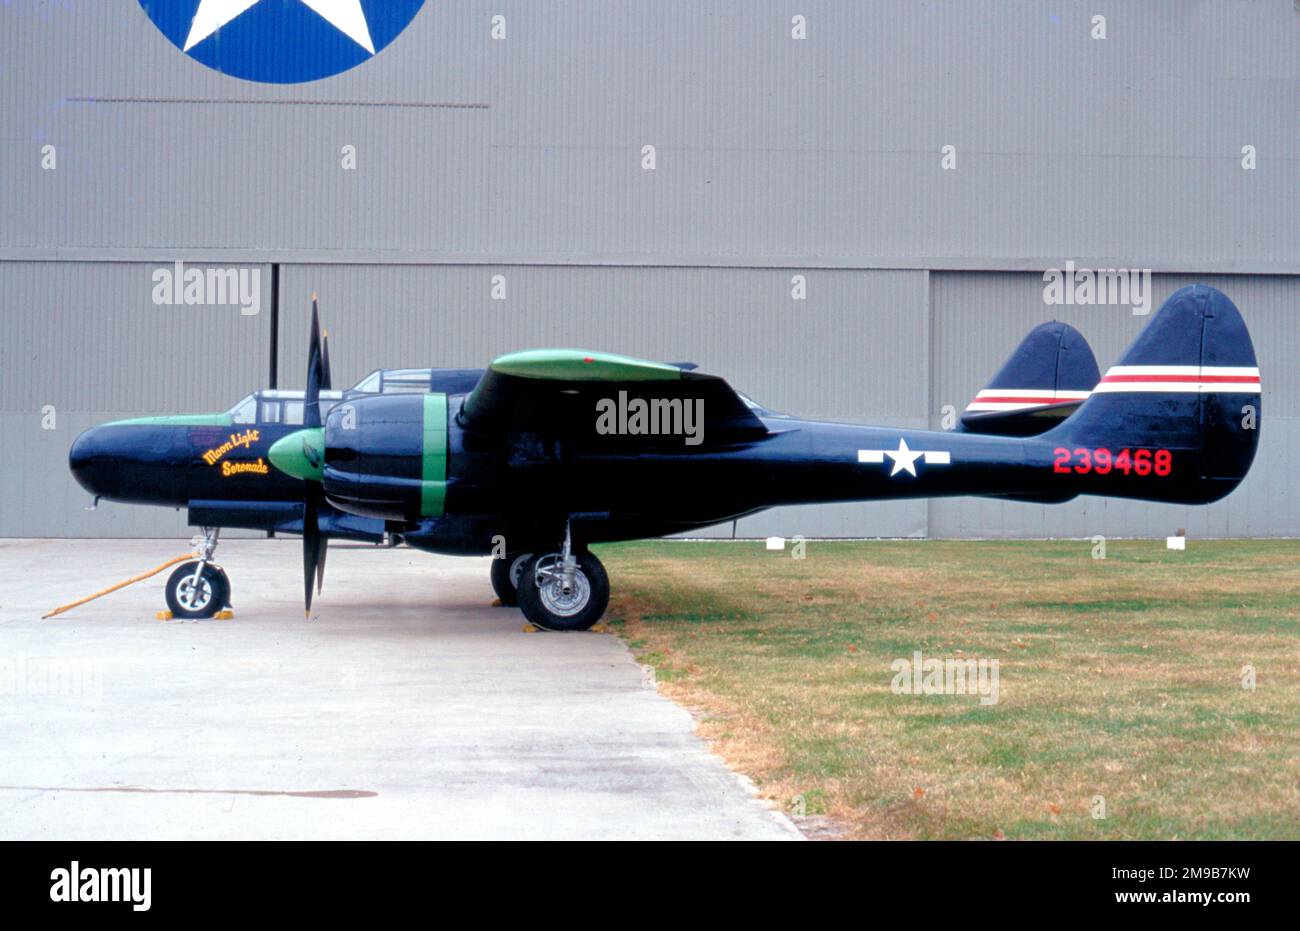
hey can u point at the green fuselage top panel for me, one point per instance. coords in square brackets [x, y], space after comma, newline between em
[176, 420]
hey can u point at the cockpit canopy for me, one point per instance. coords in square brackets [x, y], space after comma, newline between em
[417, 381]
[395, 381]
[278, 406]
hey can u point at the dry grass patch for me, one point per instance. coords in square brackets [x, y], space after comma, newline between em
[1118, 678]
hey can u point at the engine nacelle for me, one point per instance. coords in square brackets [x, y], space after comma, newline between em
[386, 456]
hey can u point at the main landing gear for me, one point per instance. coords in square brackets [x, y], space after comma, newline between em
[199, 588]
[505, 577]
[568, 590]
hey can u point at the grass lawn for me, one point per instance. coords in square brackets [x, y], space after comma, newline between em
[1120, 678]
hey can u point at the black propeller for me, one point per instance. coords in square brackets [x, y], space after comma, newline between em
[325, 361]
[313, 541]
[325, 386]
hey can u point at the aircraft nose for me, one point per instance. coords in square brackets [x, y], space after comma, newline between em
[92, 465]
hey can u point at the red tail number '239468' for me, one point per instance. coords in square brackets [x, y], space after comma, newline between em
[1102, 461]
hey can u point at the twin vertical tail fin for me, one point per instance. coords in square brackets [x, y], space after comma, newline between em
[1044, 381]
[1177, 419]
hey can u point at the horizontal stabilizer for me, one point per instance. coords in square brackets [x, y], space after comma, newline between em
[1030, 498]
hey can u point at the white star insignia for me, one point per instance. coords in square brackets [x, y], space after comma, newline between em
[905, 457]
[344, 15]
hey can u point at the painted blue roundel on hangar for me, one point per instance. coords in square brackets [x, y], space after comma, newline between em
[281, 41]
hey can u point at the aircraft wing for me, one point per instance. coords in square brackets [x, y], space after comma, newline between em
[581, 395]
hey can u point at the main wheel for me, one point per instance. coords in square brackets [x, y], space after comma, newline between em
[552, 604]
[505, 577]
[189, 600]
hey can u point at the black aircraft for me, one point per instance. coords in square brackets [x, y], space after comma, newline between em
[548, 451]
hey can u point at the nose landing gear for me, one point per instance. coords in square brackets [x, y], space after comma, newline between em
[199, 588]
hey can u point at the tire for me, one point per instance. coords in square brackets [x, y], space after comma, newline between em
[546, 605]
[225, 586]
[184, 602]
[505, 577]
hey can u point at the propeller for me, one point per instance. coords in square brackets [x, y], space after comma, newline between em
[325, 361]
[325, 386]
[313, 541]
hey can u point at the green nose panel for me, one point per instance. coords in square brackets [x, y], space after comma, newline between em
[433, 473]
[300, 454]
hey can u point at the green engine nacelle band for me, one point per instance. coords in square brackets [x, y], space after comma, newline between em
[433, 475]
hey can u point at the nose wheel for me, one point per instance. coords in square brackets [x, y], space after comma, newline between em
[195, 595]
[199, 589]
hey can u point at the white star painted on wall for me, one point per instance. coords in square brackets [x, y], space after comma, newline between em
[905, 457]
[344, 15]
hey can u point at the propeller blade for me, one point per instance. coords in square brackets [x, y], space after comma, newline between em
[325, 383]
[315, 372]
[320, 561]
[311, 543]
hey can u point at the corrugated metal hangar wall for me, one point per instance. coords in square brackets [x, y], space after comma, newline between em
[522, 157]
